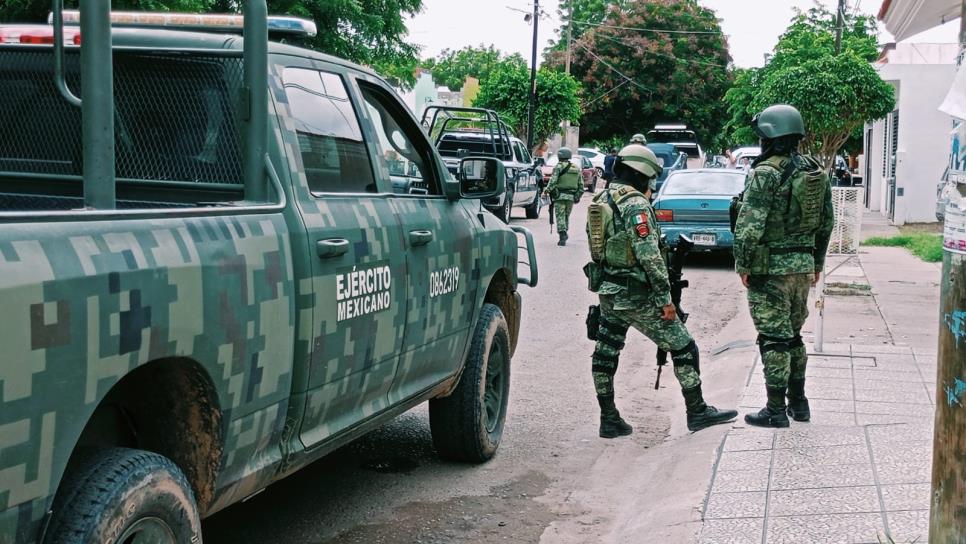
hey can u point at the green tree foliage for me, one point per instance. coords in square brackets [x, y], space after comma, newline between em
[586, 15]
[452, 67]
[635, 79]
[505, 90]
[365, 31]
[836, 94]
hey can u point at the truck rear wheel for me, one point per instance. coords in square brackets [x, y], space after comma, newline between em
[122, 495]
[468, 425]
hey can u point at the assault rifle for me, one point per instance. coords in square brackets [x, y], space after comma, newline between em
[675, 265]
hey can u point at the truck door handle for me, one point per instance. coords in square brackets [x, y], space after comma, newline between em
[333, 247]
[420, 237]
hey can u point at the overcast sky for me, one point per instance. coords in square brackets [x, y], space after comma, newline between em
[752, 26]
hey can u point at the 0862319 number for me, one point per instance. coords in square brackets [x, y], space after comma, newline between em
[444, 281]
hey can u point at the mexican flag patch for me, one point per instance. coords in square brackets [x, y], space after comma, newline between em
[640, 224]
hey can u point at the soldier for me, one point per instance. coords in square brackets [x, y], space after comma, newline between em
[629, 274]
[565, 188]
[638, 139]
[781, 236]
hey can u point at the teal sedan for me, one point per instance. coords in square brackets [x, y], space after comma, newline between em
[695, 203]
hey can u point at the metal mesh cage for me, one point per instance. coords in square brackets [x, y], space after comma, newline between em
[175, 116]
[847, 204]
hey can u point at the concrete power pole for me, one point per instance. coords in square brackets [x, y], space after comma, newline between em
[947, 518]
[532, 106]
[570, 34]
[840, 20]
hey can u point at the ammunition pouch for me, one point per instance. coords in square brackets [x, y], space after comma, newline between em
[633, 285]
[759, 263]
[593, 322]
[595, 276]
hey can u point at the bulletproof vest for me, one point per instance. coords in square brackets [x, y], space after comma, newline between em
[569, 180]
[610, 244]
[803, 193]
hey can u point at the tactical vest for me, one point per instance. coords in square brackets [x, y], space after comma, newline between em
[610, 244]
[569, 181]
[804, 195]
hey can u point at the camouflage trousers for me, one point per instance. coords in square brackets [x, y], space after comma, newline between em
[670, 336]
[779, 307]
[561, 211]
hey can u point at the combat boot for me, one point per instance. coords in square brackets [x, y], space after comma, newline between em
[773, 414]
[702, 415]
[797, 403]
[612, 424]
[563, 238]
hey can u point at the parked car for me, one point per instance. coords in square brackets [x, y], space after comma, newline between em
[680, 137]
[695, 203]
[596, 158]
[744, 156]
[235, 285]
[461, 132]
[590, 174]
[670, 158]
[547, 168]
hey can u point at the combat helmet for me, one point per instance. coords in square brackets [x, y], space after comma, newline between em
[642, 160]
[564, 153]
[638, 139]
[777, 121]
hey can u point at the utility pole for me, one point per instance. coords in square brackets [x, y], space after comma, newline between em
[531, 107]
[840, 20]
[570, 35]
[947, 520]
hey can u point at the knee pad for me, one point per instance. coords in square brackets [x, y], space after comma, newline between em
[797, 342]
[688, 355]
[771, 343]
[614, 333]
[604, 363]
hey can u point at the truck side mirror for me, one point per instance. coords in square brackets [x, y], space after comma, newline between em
[481, 177]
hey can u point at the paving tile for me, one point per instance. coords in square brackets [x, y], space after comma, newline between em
[880, 349]
[888, 435]
[824, 372]
[912, 395]
[826, 529]
[882, 384]
[826, 455]
[911, 526]
[736, 505]
[833, 383]
[838, 500]
[903, 462]
[804, 477]
[752, 401]
[906, 496]
[829, 362]
[831, 418]
[887, 419]
[731, 531]
[892, 375]
[744, 460]
[816, 435]
[737, 481]
[895, 408]
[744, 440]
[833, 393]
[828, 405]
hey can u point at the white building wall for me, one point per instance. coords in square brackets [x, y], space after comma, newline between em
[923, 141]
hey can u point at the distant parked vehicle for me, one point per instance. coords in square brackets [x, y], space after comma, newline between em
[670, 158]
[744, 156]
[681, 137]
[596, 158]
[589, 174]
[695, 203]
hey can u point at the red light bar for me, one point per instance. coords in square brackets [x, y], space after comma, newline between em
[36, 35]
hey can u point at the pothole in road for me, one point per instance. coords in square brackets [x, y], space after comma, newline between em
[508, 514]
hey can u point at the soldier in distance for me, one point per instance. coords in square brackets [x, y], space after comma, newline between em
[629, 273]
[564, 188]
[638, 139]
[784, 224]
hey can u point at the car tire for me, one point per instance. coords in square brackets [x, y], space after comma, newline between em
[120, 494]
[533, 209]
[593, 185]
[600, 172]
[507, 208]
[467, 425]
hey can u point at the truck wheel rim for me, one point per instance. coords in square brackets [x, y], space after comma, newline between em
[494, 394]
[150, 530]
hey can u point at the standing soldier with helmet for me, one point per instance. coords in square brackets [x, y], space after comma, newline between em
[629, 273]
[638, 139]
[565, 188]
[782, 232]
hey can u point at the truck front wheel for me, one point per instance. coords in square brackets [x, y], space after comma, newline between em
[123, 495]
[468, 425]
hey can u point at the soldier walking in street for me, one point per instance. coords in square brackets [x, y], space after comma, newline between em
[629, 273]
[782, 233]
[564, 188]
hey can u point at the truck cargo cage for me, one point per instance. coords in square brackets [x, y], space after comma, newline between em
[442, 120]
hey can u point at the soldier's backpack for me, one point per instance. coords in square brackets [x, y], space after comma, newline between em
[808, 191]
[603, 212]
[736, 201]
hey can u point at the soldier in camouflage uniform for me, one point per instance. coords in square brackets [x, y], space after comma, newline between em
[638, 139]
[629, 273]
[781, 236]
[565, 188]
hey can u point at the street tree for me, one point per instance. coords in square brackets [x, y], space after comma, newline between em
[836, 94]
[648, 63]
[578, 16]
[506, 91]
[451, 67]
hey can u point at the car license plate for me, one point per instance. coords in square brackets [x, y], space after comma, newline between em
[704, 239]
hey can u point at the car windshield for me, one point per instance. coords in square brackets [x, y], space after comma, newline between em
[704, 183]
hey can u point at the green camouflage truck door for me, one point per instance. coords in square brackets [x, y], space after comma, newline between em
[358, 266]
[439, 238]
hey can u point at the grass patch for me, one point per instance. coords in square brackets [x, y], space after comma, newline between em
[925, 245]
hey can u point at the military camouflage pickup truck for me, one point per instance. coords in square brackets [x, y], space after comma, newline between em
[260, 259]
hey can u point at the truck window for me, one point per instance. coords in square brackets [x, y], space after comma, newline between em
[524, 157]
[330, 140]
[405, 154]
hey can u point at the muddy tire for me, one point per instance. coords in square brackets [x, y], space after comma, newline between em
[122, 495]
[467, 426]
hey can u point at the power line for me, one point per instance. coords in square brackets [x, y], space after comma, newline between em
[614, 69]
[672, 57]
[664, 30]
[601, 96]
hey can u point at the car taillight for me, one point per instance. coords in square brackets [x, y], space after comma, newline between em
[665, 215]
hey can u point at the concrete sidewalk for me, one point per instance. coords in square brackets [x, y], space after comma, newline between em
[860, 471]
